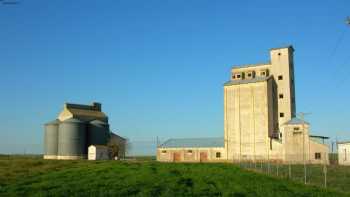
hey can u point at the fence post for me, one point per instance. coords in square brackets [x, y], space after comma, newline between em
[289, 170]
[325, 170]
[255, 164]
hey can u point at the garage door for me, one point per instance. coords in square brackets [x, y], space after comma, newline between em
[177, 157]
[203, 156]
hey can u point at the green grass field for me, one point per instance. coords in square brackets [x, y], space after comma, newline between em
[32, 176]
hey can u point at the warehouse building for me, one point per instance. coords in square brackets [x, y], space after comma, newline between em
[76, 128]
[192, 150]
[260, 122]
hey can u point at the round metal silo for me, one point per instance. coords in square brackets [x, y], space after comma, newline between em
[72, 139]
[51, 140]
[98, 133]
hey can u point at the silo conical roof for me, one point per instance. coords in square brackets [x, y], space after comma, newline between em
[96, 121]
[73, 120]
[53, 122]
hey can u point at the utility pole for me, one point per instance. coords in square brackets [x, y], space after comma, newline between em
[302, 117]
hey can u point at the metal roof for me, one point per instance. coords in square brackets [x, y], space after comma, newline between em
[193, 143]
[319, 136]
[285, 47]
[250, 65]
[344, 142]
[295, 121]
[245, 81]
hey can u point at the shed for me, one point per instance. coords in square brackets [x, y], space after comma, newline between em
[118, 145]
[344, 153]
[98, 152]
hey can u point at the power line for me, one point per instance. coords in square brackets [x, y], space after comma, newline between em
[339, 40]
[341, 80]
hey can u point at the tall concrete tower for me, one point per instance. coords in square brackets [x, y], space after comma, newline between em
[258, 99]
[282, 68]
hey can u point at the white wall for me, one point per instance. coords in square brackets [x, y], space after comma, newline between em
[344, 154]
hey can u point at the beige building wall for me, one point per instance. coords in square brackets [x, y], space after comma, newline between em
[248, 120]
[282, 68]
[299, 148]
[344, 153]
[189, 154]
[276, 153]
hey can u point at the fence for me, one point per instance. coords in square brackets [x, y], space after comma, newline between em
[325, 173]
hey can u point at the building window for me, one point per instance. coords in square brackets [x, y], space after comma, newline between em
[218, 154]
[163, 151]
[233, 76]
[317, 155]
[238, 76]
[249, 74]
[279, 54]
[280, 96]
[296, 128]
[189, 151]
[281, 115]
[280, 77]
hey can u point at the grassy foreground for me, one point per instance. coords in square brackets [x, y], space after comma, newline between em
[32, 176]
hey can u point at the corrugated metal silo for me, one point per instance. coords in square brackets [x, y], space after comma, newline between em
[98, 133]
[72, 143]
[51, 140]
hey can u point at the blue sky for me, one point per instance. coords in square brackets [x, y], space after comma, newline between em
[158, 67]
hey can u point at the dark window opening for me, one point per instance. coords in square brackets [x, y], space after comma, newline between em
[249, 74]
[163, 151]
[233, 76]
[238, 76]
[317, 155]
[281, 115]
[280, 77]
[218, 154]
[279, 54]
[189, 151]
[280, 96]
[296, 128]
[263, 73]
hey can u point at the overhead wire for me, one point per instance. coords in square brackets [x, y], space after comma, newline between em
[341, 79]
[336, 69]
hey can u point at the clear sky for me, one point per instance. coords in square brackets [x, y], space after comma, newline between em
[158, 67]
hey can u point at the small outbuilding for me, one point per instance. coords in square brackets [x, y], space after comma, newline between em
[98, 152]
[344, 153]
